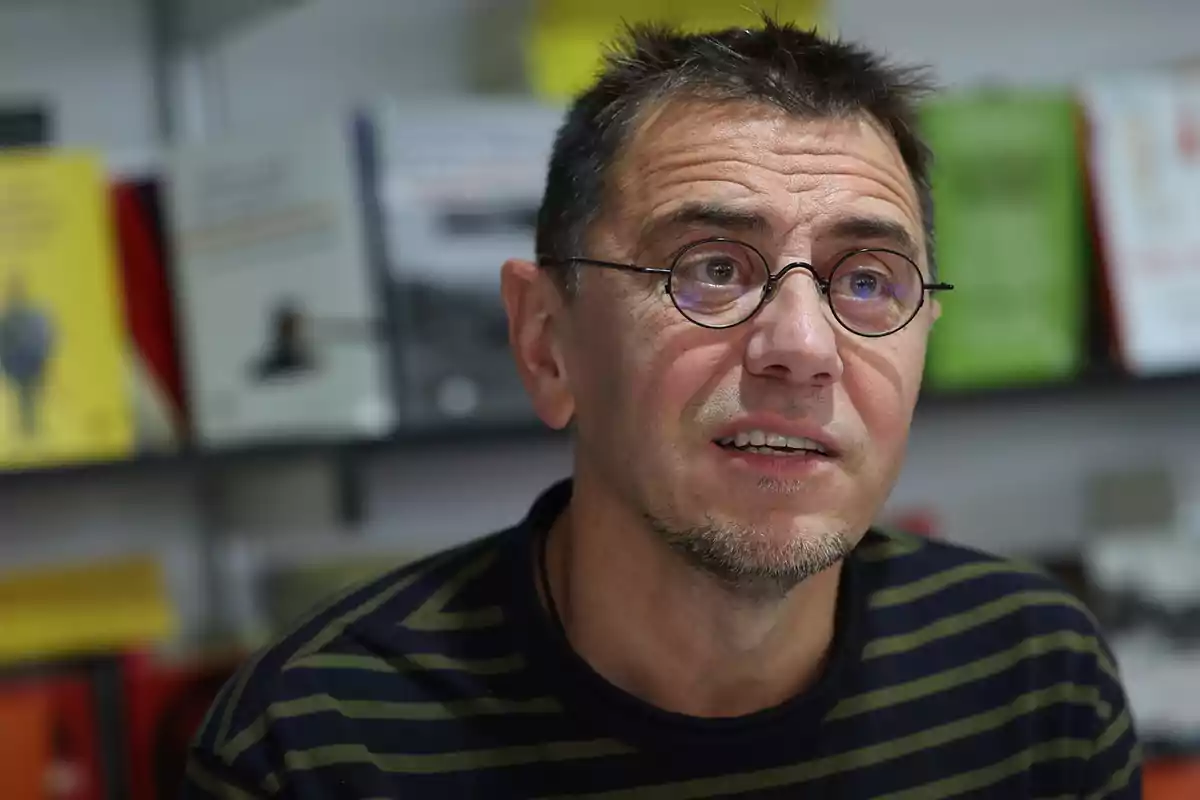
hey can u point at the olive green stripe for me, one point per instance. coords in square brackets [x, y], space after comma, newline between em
[213, 785]
[378, 709]
[471, 619]
[416, 662]
[885, 598]
[862, 757]
[965, 621]
[1120, 779]
[246, 738]
[251, 667]
[1114, 731]
[894, 547]
[413, 711]
[434, 763]
[958, 785]
[257, 729]
[988, 666]
[337, 626]
[429, 616]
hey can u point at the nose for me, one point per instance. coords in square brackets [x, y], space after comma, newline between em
[793, 336]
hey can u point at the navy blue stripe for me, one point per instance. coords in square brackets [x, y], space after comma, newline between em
[385, 670]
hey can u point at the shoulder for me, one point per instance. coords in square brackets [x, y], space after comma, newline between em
[923, 591]
[351, 650]
[1005, 638]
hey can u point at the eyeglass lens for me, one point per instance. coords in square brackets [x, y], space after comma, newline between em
[721, 283]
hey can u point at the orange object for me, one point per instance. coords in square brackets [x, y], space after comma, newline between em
[25, 739]
[1171, 779]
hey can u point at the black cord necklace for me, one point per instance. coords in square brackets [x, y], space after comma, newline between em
[543, 547]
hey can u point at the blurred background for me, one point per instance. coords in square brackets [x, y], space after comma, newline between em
[251, 346]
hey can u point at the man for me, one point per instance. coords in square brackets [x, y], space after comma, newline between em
[730, 311]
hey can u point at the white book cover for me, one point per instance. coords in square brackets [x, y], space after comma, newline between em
[1145, 165]
[278, 286]
[460, 185]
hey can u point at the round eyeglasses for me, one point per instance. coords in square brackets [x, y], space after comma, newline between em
[720, 283]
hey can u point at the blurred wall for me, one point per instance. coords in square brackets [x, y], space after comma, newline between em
[1005, 475]
[88, 58]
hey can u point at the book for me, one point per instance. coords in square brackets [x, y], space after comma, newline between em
[460, 185]
[1011, 235]
[63, 390]
[50, 738]
[165, 702]
[567, 38]
[155, 373]
[1144, 159]
[280, 310]
[76, 610]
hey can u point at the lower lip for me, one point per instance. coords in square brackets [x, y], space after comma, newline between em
[796, 465]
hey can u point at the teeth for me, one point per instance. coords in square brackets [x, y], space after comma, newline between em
[759, 438]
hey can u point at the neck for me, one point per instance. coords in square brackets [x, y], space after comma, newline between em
[658, 628]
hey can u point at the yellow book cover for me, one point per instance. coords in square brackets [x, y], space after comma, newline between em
[567, 38]
[64, 393]
[81, 609]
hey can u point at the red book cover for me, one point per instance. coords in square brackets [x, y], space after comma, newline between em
[149, 313]
[165, 705]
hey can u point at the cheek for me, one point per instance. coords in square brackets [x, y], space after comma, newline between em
[678, 370]
[646, 378]
[613, 374]
[882, 384]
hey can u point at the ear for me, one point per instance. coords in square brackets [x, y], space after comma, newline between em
[535, 305]
[937, 309]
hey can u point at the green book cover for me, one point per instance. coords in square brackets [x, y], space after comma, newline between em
[1010, 235]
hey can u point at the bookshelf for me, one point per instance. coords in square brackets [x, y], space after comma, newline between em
[1100, 384]
[200, 90]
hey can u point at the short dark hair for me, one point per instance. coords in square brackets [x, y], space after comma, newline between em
[780, 64]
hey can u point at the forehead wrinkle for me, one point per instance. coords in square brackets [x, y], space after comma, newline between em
[784, 152]
[798, 210]
[872, 189]
[795, 165]
[726, 156]
[899, 187]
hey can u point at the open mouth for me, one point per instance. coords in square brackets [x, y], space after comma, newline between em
[772, 444]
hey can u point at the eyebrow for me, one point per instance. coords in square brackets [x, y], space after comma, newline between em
[855, 228]
[707, 214]
[875, 229]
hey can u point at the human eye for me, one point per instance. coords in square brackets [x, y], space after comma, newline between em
[874, 291]
[715, 282]
[864, 283]
[719, 267]
[868, 277]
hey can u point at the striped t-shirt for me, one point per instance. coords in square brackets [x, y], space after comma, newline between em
[952, 674]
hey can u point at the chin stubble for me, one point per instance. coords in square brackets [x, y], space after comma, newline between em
[747, 563]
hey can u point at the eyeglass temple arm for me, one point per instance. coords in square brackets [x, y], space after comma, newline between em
[554, 262]
[939, 287]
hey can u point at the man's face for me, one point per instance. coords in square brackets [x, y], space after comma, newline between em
[654, 395]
